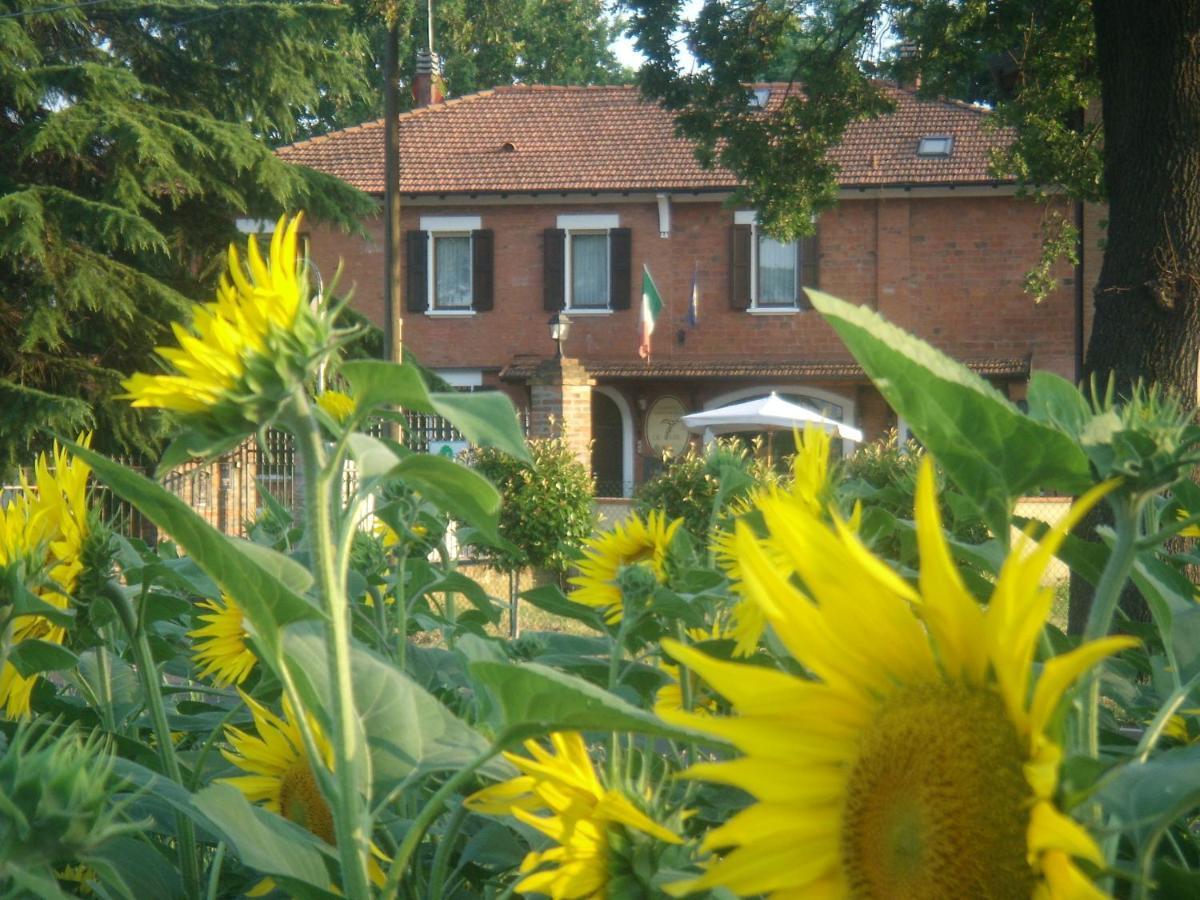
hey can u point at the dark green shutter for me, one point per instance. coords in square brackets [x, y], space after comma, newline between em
[553, 268]
[739, 266]
[416, 268]
[809, 266]
[620, 265]
[482, 285]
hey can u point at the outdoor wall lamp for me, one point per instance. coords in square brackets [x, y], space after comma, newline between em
[560, 325]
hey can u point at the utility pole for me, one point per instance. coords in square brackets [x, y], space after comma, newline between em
[392, 231]
[393, 344]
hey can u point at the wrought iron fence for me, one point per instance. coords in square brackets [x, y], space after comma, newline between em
[227, 492]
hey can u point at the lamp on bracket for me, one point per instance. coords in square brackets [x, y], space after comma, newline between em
[560, 326]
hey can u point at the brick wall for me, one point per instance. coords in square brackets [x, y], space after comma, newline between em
[948, 268]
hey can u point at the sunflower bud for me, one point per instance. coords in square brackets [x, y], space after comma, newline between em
[55, 798]
[249, 349]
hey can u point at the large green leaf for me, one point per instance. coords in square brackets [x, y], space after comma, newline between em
[267, 842]
[549, 597]
[409, 732]
[448, 485]
[1054, 400]
[376, 382]
[251, 577]
[29, 657]
[136, 868]
[540, 699]
[486, 419]
[990, 450]
[454, 488]
[1146, 797]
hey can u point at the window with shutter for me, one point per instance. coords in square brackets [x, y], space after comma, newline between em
[595, 274]
[454, 248]
[768, 275]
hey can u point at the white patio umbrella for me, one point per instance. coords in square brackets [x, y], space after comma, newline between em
[769, 414]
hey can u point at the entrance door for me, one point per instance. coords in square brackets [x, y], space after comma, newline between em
[607, 447]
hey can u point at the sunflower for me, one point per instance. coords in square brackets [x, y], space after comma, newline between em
[580, 816]
[221, 645]
[810, 490]
[281, 777]
[45, 526]
[670, 695]
[918, 763]
[246, 349]
[629, 543]
[339, 406]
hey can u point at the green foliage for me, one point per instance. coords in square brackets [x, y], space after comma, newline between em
[699, 486]
[133, 137]
[546, 509]
[483, 43]
[1032, 61]
[55, 809]
[964, 421]
[882, 475]
[388, 661]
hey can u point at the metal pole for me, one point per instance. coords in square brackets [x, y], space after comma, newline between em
[392, 325]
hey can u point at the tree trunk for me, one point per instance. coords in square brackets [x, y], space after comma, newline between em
[1147, 322]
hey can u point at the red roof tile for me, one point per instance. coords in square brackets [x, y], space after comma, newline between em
[523, 369]
[533, 138]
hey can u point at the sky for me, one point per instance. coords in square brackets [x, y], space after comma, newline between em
[628, 56]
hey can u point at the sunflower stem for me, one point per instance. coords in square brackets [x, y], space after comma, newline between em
[432, 809]
[441, 856]
[148, 671]
[1104, 606]
[347, 806]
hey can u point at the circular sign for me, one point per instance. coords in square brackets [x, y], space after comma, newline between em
[664, 426]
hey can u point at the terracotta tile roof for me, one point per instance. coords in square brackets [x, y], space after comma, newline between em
[533, 138]
[523, 368]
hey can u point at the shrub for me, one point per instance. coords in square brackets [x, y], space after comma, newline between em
[883, 474]
[700, 485]
[546, 509]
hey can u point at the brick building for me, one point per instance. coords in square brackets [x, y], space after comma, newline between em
[524, 201]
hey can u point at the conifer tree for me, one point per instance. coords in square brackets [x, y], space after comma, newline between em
[132, 136]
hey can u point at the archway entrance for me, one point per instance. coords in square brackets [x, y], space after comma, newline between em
[608, 433]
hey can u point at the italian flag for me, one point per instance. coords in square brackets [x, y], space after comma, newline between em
[651, 307]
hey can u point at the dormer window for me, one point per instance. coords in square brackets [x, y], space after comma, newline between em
[938, 146]
[759, 98]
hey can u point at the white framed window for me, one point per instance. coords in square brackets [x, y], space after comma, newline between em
[776, 279]
[587, 262]
[450, 273]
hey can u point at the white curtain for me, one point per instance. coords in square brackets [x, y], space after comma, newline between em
[776, 272]
[452, 272]
[589, 270]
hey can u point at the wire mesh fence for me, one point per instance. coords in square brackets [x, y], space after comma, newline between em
[1050, 510]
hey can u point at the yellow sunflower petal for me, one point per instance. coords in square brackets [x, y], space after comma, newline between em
[1050, 830]
[1060, 673]
[953, 615]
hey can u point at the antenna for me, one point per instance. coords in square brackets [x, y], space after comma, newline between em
[429, 8]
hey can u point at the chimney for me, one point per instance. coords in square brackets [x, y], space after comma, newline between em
[427, 83]
[909, 67]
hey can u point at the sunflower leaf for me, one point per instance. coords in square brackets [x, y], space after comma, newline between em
[409, 732]
[264, 841]
[32, 656]
[986, 445]
[260, 590]
[540, 699]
